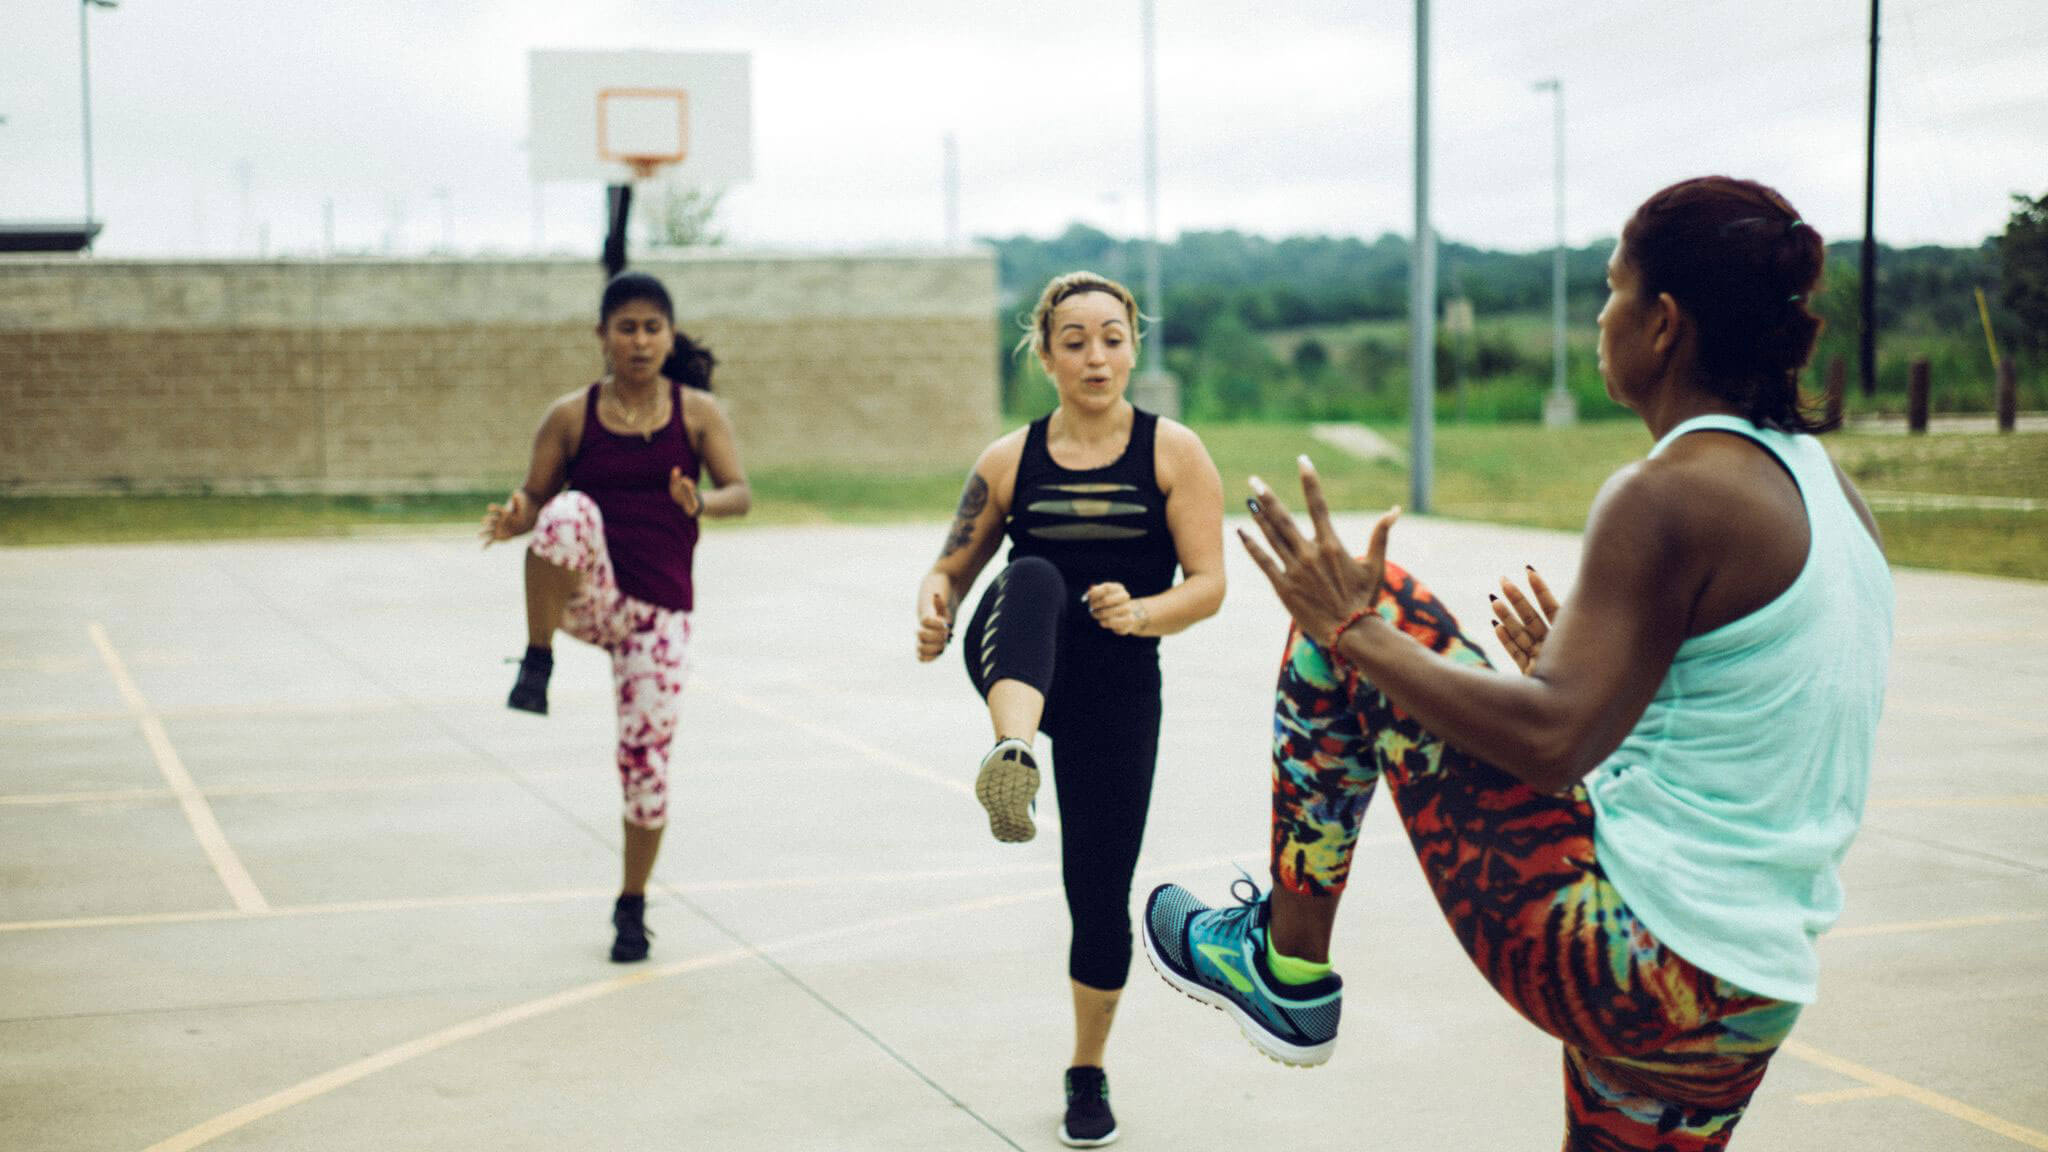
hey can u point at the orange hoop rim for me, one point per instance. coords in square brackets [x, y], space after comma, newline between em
[645, 164]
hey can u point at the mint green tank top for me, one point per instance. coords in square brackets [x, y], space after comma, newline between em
[1723, 817]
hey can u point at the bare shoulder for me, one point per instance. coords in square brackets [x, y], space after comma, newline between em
[1178, 454]
[998, 461]
[564, 416]
[1644, 502]
[1179, 441]
[699, 405]
[569, 403]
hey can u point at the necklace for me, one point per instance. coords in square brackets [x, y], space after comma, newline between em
[641, 422]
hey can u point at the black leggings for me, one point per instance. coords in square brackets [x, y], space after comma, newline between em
[1102, 713]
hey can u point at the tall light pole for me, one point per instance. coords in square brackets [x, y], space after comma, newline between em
[1867, 343]
[85, 99]
[950, 162]
[1421, 292]
[1560, 410]
[1153, 297]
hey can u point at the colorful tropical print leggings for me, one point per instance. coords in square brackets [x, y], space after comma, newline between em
[649, 647]
[1658, 1055]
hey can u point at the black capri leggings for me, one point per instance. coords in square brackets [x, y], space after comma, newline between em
[1102, 713]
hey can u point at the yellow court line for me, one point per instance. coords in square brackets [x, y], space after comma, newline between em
[1044, 817]
[543, 896]
[1927, 1098]
[1978, 716]
[1900, 926]
[1845, 1095]
[198, 813]
[114, 795]
[1993, 800]
[347, 1074]
[278, 788]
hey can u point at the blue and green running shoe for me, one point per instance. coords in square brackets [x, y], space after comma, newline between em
[1218, 956]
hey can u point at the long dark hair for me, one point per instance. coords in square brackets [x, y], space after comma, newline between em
[1738, 258]
[689, 363]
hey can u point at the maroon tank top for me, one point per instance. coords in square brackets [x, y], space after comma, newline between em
[650, 540]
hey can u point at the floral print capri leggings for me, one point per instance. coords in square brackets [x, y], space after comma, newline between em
[649, 646]
[1658, 1055]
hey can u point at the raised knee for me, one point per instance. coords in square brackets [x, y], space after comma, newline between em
[1034, 576]
[568, 507]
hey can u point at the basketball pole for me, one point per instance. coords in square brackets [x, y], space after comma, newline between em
[1422, 291]
[618, 207]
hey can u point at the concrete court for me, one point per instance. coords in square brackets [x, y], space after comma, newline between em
[279, 870]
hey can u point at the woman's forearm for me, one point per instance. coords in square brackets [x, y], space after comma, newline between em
[726, 501]
[1187, 603]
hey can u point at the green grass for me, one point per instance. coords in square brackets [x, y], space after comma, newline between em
[1505, 473]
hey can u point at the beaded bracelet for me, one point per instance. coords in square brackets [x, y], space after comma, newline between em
[1338, 634]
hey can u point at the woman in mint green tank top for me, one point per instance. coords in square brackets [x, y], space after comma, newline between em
[1636, 842]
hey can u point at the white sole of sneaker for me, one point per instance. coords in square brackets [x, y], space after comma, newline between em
[1098, 1142]
[1006, 785]
[1274, 1048]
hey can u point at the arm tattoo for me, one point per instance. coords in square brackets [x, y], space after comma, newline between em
[973, 499]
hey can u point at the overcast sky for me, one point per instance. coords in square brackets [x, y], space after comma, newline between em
[1277, 118]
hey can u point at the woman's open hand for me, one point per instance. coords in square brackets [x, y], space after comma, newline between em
[1522, 627]
[1318, 579]
[504, 521]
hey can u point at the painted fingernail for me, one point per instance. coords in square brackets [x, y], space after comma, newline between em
[1496, 623]
[1259, 486]
[1492, 597]
[1253, 505]
[1304, 461]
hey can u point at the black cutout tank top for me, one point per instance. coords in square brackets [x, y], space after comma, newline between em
[1096, 525]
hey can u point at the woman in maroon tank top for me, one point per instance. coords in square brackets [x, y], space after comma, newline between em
[612, 498]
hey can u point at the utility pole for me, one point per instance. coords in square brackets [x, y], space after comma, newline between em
[952, 179]
[85, 102]
[1560, 410]
[1868, 349]
[1155, 299]
[1421, 292]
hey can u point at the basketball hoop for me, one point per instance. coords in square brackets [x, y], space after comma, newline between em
[645, 129]
[644, 167]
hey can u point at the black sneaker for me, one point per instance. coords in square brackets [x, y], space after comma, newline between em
[631, 943]
[530, 691]
[1089, 1122]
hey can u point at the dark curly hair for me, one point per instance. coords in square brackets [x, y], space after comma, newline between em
[1738, 258]
[689, 363]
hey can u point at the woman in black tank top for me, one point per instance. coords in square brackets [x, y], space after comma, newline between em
[1101, 502]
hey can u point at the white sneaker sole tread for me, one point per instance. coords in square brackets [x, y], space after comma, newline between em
[1006, 785]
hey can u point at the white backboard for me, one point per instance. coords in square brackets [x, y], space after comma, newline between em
[567, 97]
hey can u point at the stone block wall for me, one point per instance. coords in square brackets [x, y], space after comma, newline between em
[366, 376]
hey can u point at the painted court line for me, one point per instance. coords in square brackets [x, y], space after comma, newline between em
[1893, 1086]
[543, 896]
[2007, 800]
[198, 813]
[1897, 927]
[1045, 817]
[1845, 1095]
[275, 788]
[347, 1074]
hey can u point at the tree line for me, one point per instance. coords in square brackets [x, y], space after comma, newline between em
[1298, 327]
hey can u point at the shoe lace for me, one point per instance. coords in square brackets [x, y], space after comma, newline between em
[1249, 897]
